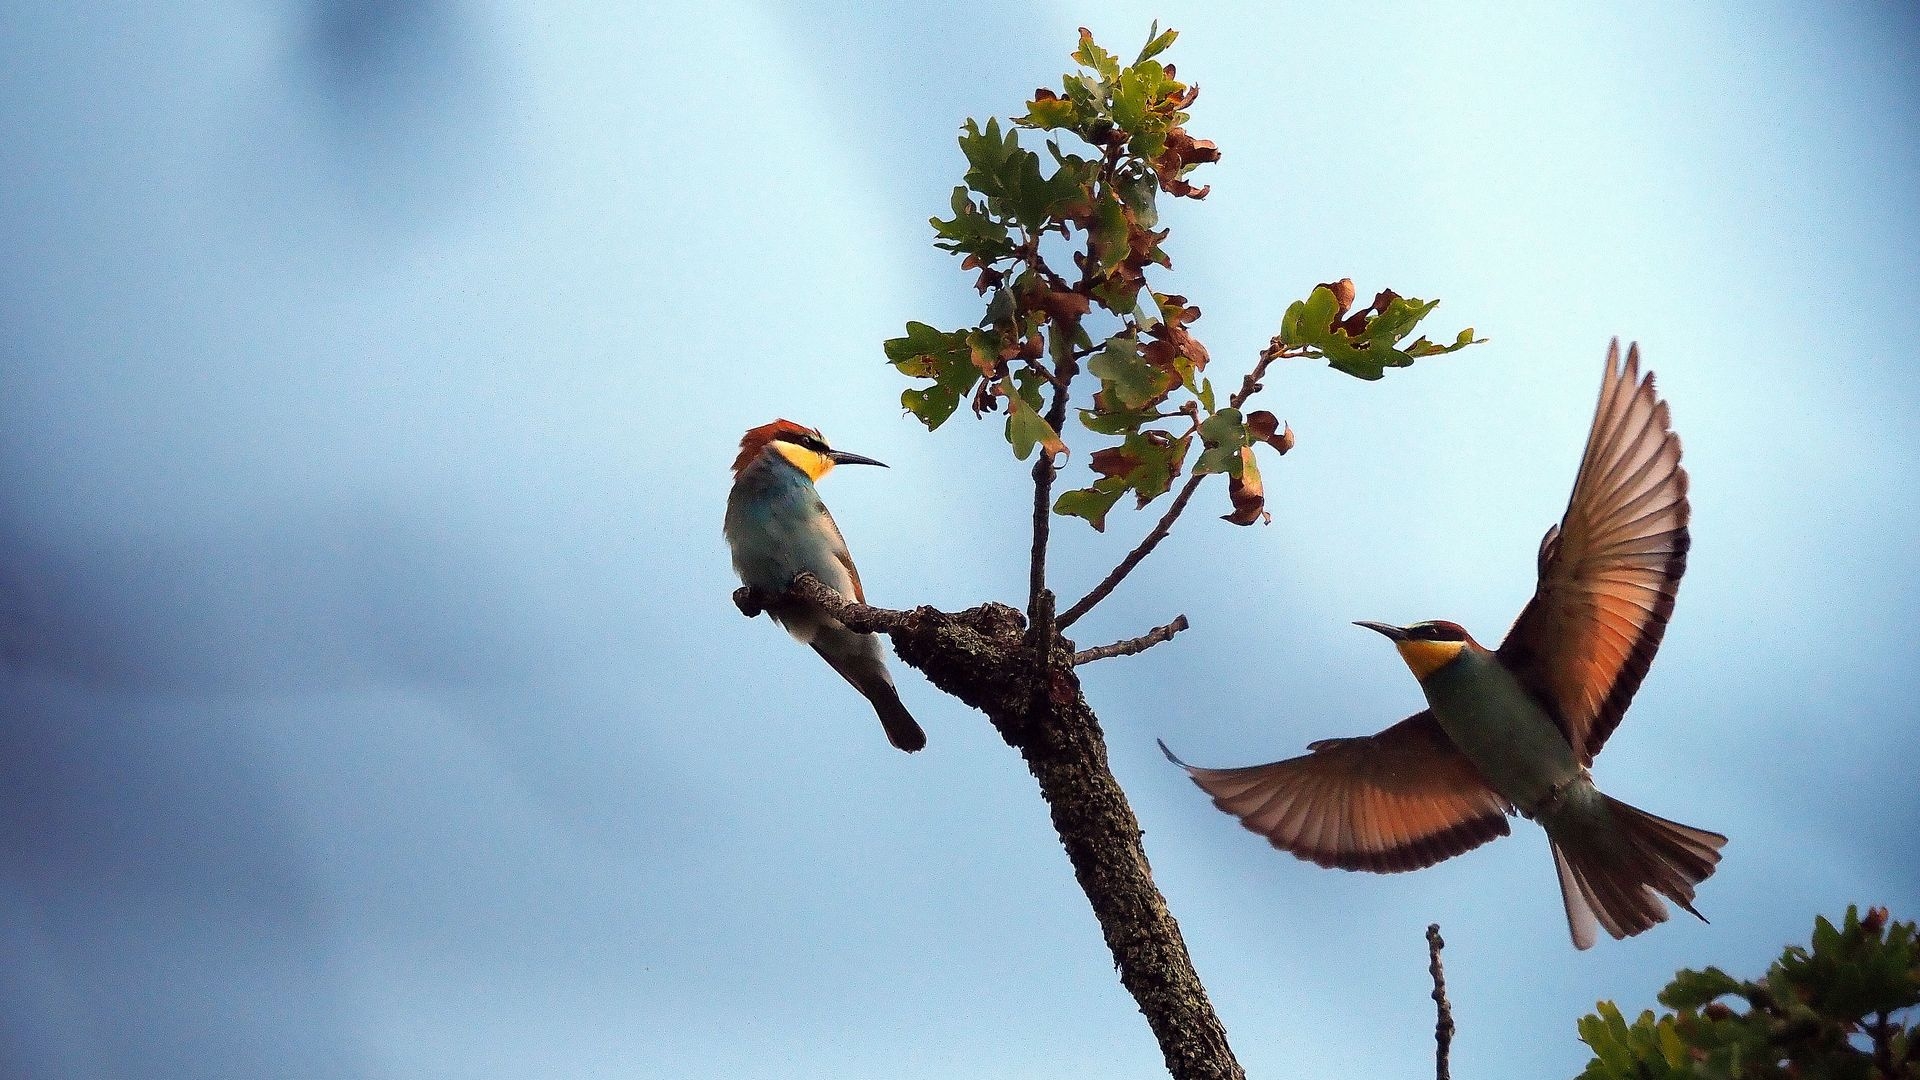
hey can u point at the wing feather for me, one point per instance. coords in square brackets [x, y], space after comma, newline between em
[843, 556]
[1609, 571]
[1400, 800]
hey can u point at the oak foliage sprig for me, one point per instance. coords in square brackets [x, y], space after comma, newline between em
[1066, 244]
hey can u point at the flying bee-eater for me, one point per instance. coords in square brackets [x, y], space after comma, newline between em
[777, 527]
[1516, 728]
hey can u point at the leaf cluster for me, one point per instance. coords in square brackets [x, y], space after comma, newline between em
[1367, 342]
[1834, 1010]
[1096, 197]
[1062, 240]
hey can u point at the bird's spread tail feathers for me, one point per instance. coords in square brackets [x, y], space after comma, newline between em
[1616, 861]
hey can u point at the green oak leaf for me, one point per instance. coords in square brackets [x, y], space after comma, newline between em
[1224, 434]
[1026, 428]
[1693, 989]
[1423, 347]
[932, 405]
[1091, 503]
[1311, 323]
[1128, 381]
[1116, 423]
[1091, 55]
[1049, 112]
[1158, 41]
[1108, 240]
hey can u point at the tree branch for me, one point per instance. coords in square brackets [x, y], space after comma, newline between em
[989, 658]
[1442, 1027]
[1248, 387]
[806, 588]
[1152, 540]
[1132, 645]
[1065, 367]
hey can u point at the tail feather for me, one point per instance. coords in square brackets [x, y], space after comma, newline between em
[1616, 861]
[858, 661]
[903, 731]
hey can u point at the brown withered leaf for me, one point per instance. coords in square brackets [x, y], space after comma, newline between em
[1190, 150]
[1143, 245]
[986, 397]
[1054, 298]
[1342, 291]
[1174, 309]
[1190, 348]
[1248, 494]
[1356, 324]
[1170, 339]
[1265, 427]
[989, 278]
[1063, 304]
[1114, 461]
[1183, 150]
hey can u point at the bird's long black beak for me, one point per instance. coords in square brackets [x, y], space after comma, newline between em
[841, 457]
[1394, 632]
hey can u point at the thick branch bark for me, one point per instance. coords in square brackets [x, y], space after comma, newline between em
[986, 657]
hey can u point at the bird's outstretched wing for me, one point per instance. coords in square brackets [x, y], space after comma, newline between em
[1400, 800]
[1610, 569]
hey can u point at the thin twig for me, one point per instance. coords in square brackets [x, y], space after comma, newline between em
[1881, 1031]
[1037, 564]
[1251, 384]
[1132, 645]
[1043, 472]
[1119, 573]
[1248, 387]
[1041, 370]
[1442, 1027]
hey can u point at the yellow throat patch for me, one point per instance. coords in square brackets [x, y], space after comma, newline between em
[815, 465]
[1427, 657]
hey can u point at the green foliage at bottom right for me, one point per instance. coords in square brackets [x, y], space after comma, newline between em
[1838, 1010]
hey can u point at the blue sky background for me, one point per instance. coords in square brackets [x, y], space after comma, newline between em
[373, 706]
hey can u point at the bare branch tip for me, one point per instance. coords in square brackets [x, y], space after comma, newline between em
[1443, 1024]
[1131, 646]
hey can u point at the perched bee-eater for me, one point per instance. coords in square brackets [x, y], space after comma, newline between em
[1516, 728]
[777, 526]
